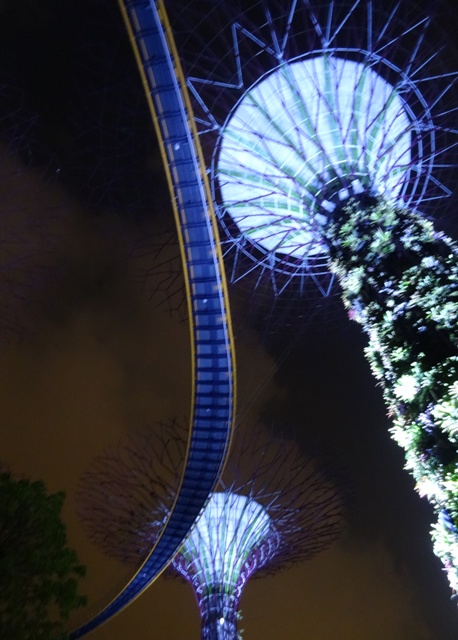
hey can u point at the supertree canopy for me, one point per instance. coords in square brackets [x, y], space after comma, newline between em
[330, 129]
[297, 101]
[271, 508]
[353, 128]
[233, 538]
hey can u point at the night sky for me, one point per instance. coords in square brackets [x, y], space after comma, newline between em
[91, 350]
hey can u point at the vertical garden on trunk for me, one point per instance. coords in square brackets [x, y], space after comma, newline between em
[399, 280]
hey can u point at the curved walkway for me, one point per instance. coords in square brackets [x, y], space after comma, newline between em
[213, 394]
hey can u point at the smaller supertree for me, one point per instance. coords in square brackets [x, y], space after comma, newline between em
[272, 508]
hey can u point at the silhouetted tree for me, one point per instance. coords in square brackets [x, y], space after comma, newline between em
[38, 572]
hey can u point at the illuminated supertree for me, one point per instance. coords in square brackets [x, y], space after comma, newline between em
[271, 508]
[300, 104]
[329, 129]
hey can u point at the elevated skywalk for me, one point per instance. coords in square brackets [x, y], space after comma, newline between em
[213, 393]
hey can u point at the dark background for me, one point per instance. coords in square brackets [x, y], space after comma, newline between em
[90, 350]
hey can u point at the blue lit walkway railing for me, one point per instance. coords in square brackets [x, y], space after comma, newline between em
[213, 393]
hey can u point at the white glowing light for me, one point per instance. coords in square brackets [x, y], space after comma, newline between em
[406, 387]
[296, 136]
[228, 530]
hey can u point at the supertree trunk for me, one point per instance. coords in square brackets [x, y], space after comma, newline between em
[399, 280]
[219, 614]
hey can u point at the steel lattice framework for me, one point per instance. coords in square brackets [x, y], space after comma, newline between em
[299, 101]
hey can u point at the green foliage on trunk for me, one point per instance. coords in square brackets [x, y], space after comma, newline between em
[38, 572]
[399, 279]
